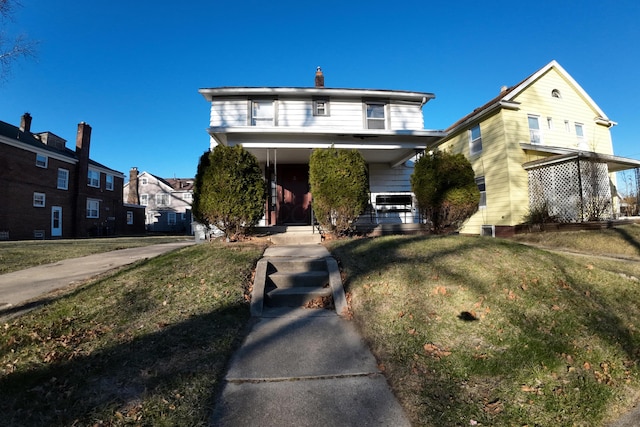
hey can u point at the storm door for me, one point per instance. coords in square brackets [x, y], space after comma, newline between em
[56, 221]
[294, 198]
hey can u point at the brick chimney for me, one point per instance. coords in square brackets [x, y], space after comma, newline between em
[83, 141]
[25, 122]
[319, 77]
[133, 197]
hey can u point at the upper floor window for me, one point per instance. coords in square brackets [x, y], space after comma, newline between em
[320, 107]
[475, 140]
[187, 197]
[579, 130]
[93, 178]
[42, 161]
[93, 208]
[555, 93]
[143, 181]
[63, 179]
[483, 191]
[550, 123]
[144, 199]
[262, 113]
[109, 182]
[39, 200]
[162, 199]
[375, 116]
[535, 136]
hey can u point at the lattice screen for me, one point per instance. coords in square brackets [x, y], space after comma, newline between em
[573, 191]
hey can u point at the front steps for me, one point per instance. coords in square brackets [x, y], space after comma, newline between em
[298, 276]
[292, 235]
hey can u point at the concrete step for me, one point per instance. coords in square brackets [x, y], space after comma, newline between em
[297, 238]
[288, 265]
[295, 297]
[311, 278]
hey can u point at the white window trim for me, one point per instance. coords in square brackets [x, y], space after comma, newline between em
[90, 208]
[263, 121]
[160, 197]
[39, 200]
[109, 182]
[144, 199]
[143, 181]
[316, 105]
[474, 143]
[65, 182]
[92, 181]
[480, 182]
[383, 120]
[533, 133]
[42, 161]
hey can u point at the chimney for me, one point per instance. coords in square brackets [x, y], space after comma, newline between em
[133, 196]
[503, 89]
[25, 122]
[319, 77]
[83, 141]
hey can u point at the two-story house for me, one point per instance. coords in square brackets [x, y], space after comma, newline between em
[541, 148]
[50, 191]
[282, 125]
[167, 201]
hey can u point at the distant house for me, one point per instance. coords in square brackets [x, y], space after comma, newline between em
[282, 125]
[167, 201]
[50, 191]
[540, 148]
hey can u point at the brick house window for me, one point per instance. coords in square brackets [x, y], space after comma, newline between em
[109, 182]
[42, 161]
[93, 208]
[93, 178]
[39, 200]
[63, 179]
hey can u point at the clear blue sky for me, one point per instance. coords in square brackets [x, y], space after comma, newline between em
[132, 69]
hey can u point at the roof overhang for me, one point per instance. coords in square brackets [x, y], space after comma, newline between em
[560, 155]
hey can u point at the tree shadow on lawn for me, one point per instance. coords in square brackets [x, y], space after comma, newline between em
[627, 237]
[172, 374]
[444, 394]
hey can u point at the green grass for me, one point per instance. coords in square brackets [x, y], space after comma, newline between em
[19, 255]
[486, 330]
[144, 346]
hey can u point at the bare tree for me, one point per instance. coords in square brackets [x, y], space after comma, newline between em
[12, 48]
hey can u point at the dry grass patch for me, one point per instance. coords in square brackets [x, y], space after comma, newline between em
[477, 330]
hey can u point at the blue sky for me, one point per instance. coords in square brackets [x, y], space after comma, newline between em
[132, 69]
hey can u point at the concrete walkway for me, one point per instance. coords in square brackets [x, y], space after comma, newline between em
[22, 286]
[305, 367]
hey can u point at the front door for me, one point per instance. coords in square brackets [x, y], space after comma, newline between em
[294, 198]
[56, 221]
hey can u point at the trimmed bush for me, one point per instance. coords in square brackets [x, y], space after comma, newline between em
[229, 190]
[445, 189]
[340, 186]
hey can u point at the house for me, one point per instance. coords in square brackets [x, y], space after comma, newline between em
[51, 191]
[167, 201]
[282, 125]
[541, 148]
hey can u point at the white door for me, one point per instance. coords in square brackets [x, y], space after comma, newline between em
[56, 221]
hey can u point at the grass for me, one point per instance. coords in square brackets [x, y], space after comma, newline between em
[487, 331]
[19, 255]
[144, 346]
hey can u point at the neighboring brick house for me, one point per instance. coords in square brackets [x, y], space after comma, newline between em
[50, 191]
[167, 201]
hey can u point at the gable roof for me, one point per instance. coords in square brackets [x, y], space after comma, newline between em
[506, 98]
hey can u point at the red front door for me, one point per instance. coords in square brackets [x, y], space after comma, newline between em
[294, 198]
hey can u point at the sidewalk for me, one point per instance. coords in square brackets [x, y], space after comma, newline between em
[305, 367]
[22, 286]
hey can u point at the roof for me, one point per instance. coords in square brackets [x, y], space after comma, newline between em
[506, 98]
[178, 184]
[614, 163]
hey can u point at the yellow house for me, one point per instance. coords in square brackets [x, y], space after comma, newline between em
[541, 148]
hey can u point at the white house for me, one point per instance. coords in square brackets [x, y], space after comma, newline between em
[282, 125]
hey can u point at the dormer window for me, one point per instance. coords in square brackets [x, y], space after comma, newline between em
[375, 115]
[321, 107]
[556, 94]
[262, 113]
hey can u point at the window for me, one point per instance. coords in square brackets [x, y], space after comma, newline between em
[320, 107]
[483, 192]
[566, 126]
[549, 123]
[93, 208]
[187, 197]
[375, 116]
[171, 218]
[579, 131]
[42, 161]
[262, 113]
[144, 199]
[109, 182]
[63, 179]
[39, 200]
[475, 140]
[93, 178]
[556, 94]
[535, 135]
[129, 217]
[162, 199]
[143, 181]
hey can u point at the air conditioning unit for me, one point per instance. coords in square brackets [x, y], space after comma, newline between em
[488, 231]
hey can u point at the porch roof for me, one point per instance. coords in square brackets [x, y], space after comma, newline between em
[294, 145]
[559, 154]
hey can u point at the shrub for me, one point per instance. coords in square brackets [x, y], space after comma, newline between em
[229, 190]
[339, 185]
[445, 189]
